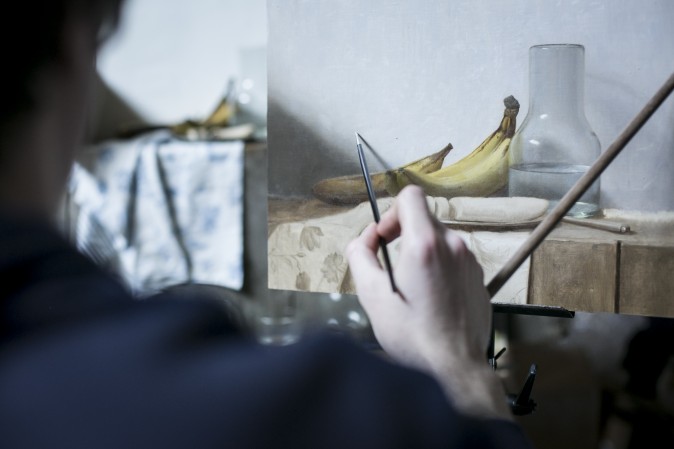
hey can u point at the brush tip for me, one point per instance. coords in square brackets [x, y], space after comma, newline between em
[357, 138]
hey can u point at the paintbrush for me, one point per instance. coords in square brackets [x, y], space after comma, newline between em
[375, 209]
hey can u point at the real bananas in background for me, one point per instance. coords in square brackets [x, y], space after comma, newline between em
[220, 124]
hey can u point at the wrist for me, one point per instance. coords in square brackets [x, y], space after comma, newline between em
[474, 388]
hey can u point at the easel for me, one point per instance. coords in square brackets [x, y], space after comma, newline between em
[521, 403]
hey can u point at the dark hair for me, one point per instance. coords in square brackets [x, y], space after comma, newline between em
[31, 32]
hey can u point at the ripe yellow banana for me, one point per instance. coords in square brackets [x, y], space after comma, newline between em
[481, 173]
[484, 179]
[225, 111]
[349, 190]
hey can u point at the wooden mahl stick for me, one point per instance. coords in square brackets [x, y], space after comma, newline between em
[559, 211]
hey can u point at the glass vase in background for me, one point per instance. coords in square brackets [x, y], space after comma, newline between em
[555, 144]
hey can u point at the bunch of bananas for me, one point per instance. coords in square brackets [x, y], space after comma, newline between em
[350, 190]
[484, 171]
[218, 125]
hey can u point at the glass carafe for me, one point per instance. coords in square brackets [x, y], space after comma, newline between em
[555, 144]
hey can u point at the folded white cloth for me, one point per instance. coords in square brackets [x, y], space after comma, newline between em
[497, 209]
[492, 250]
[309, 255]
[171, 210]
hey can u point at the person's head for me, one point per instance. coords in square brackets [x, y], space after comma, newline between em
[32, 38]
[49, 49]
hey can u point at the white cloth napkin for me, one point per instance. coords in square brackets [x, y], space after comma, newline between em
[170, 211]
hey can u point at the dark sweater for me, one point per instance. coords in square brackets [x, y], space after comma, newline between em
[85, 365]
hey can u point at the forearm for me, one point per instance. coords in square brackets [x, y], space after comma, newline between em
[439, 321]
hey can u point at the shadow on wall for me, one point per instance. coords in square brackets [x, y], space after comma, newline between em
[110, 113]
[291, 176]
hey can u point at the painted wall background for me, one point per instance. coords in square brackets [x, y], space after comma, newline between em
[411, 76]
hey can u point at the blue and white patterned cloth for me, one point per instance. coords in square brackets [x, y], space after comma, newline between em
[163, 211]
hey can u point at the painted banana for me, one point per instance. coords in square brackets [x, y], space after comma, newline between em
[349, 190]
[482, 172]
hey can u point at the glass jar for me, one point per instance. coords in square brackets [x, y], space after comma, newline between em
[555, 144]
[278, 319]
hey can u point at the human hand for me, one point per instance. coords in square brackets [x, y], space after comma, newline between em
[440, 321]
